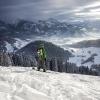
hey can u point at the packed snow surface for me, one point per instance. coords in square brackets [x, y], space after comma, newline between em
[26, 84]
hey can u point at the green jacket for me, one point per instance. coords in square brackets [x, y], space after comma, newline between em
[42, 53]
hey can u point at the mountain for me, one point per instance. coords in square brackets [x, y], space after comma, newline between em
[10, 44]
[18, 37]
[47, 27]
[26, 31]
[13, 35]
[86, 52]
[52, 50]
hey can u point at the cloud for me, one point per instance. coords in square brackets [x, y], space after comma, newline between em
[89, 6]
[68, 10]
[94, 4]
[95, 10]
[86, 14]
[17, 6]
[89, 12]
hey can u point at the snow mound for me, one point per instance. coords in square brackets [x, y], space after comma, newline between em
[26, 84]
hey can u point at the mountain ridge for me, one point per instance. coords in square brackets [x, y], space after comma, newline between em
[25, 30]
[52, 50]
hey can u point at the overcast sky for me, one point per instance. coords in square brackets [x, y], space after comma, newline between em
[64, 10]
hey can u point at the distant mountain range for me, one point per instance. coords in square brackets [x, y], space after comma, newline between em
[13, 36]
[17, 35]
[25, 28]
[20, 37]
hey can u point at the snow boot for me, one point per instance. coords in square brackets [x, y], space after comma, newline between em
[44, 70]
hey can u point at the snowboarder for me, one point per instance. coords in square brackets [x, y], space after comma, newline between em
[41, 52]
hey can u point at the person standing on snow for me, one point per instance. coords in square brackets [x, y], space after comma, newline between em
[41, 52]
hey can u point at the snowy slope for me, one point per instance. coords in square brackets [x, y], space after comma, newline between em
[84, 54]
[21, 43]
[24, 84]
[9, 47]
[15, 45]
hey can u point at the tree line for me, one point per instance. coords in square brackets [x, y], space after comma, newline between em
[62, 65]
[12, 59]
[53, 64]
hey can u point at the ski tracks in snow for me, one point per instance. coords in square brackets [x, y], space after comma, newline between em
[21, 84]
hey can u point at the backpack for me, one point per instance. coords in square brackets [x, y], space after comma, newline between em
[41, 53]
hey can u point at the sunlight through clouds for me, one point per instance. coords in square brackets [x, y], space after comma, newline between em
[91, 11]
[95, 10]
[94, 4]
